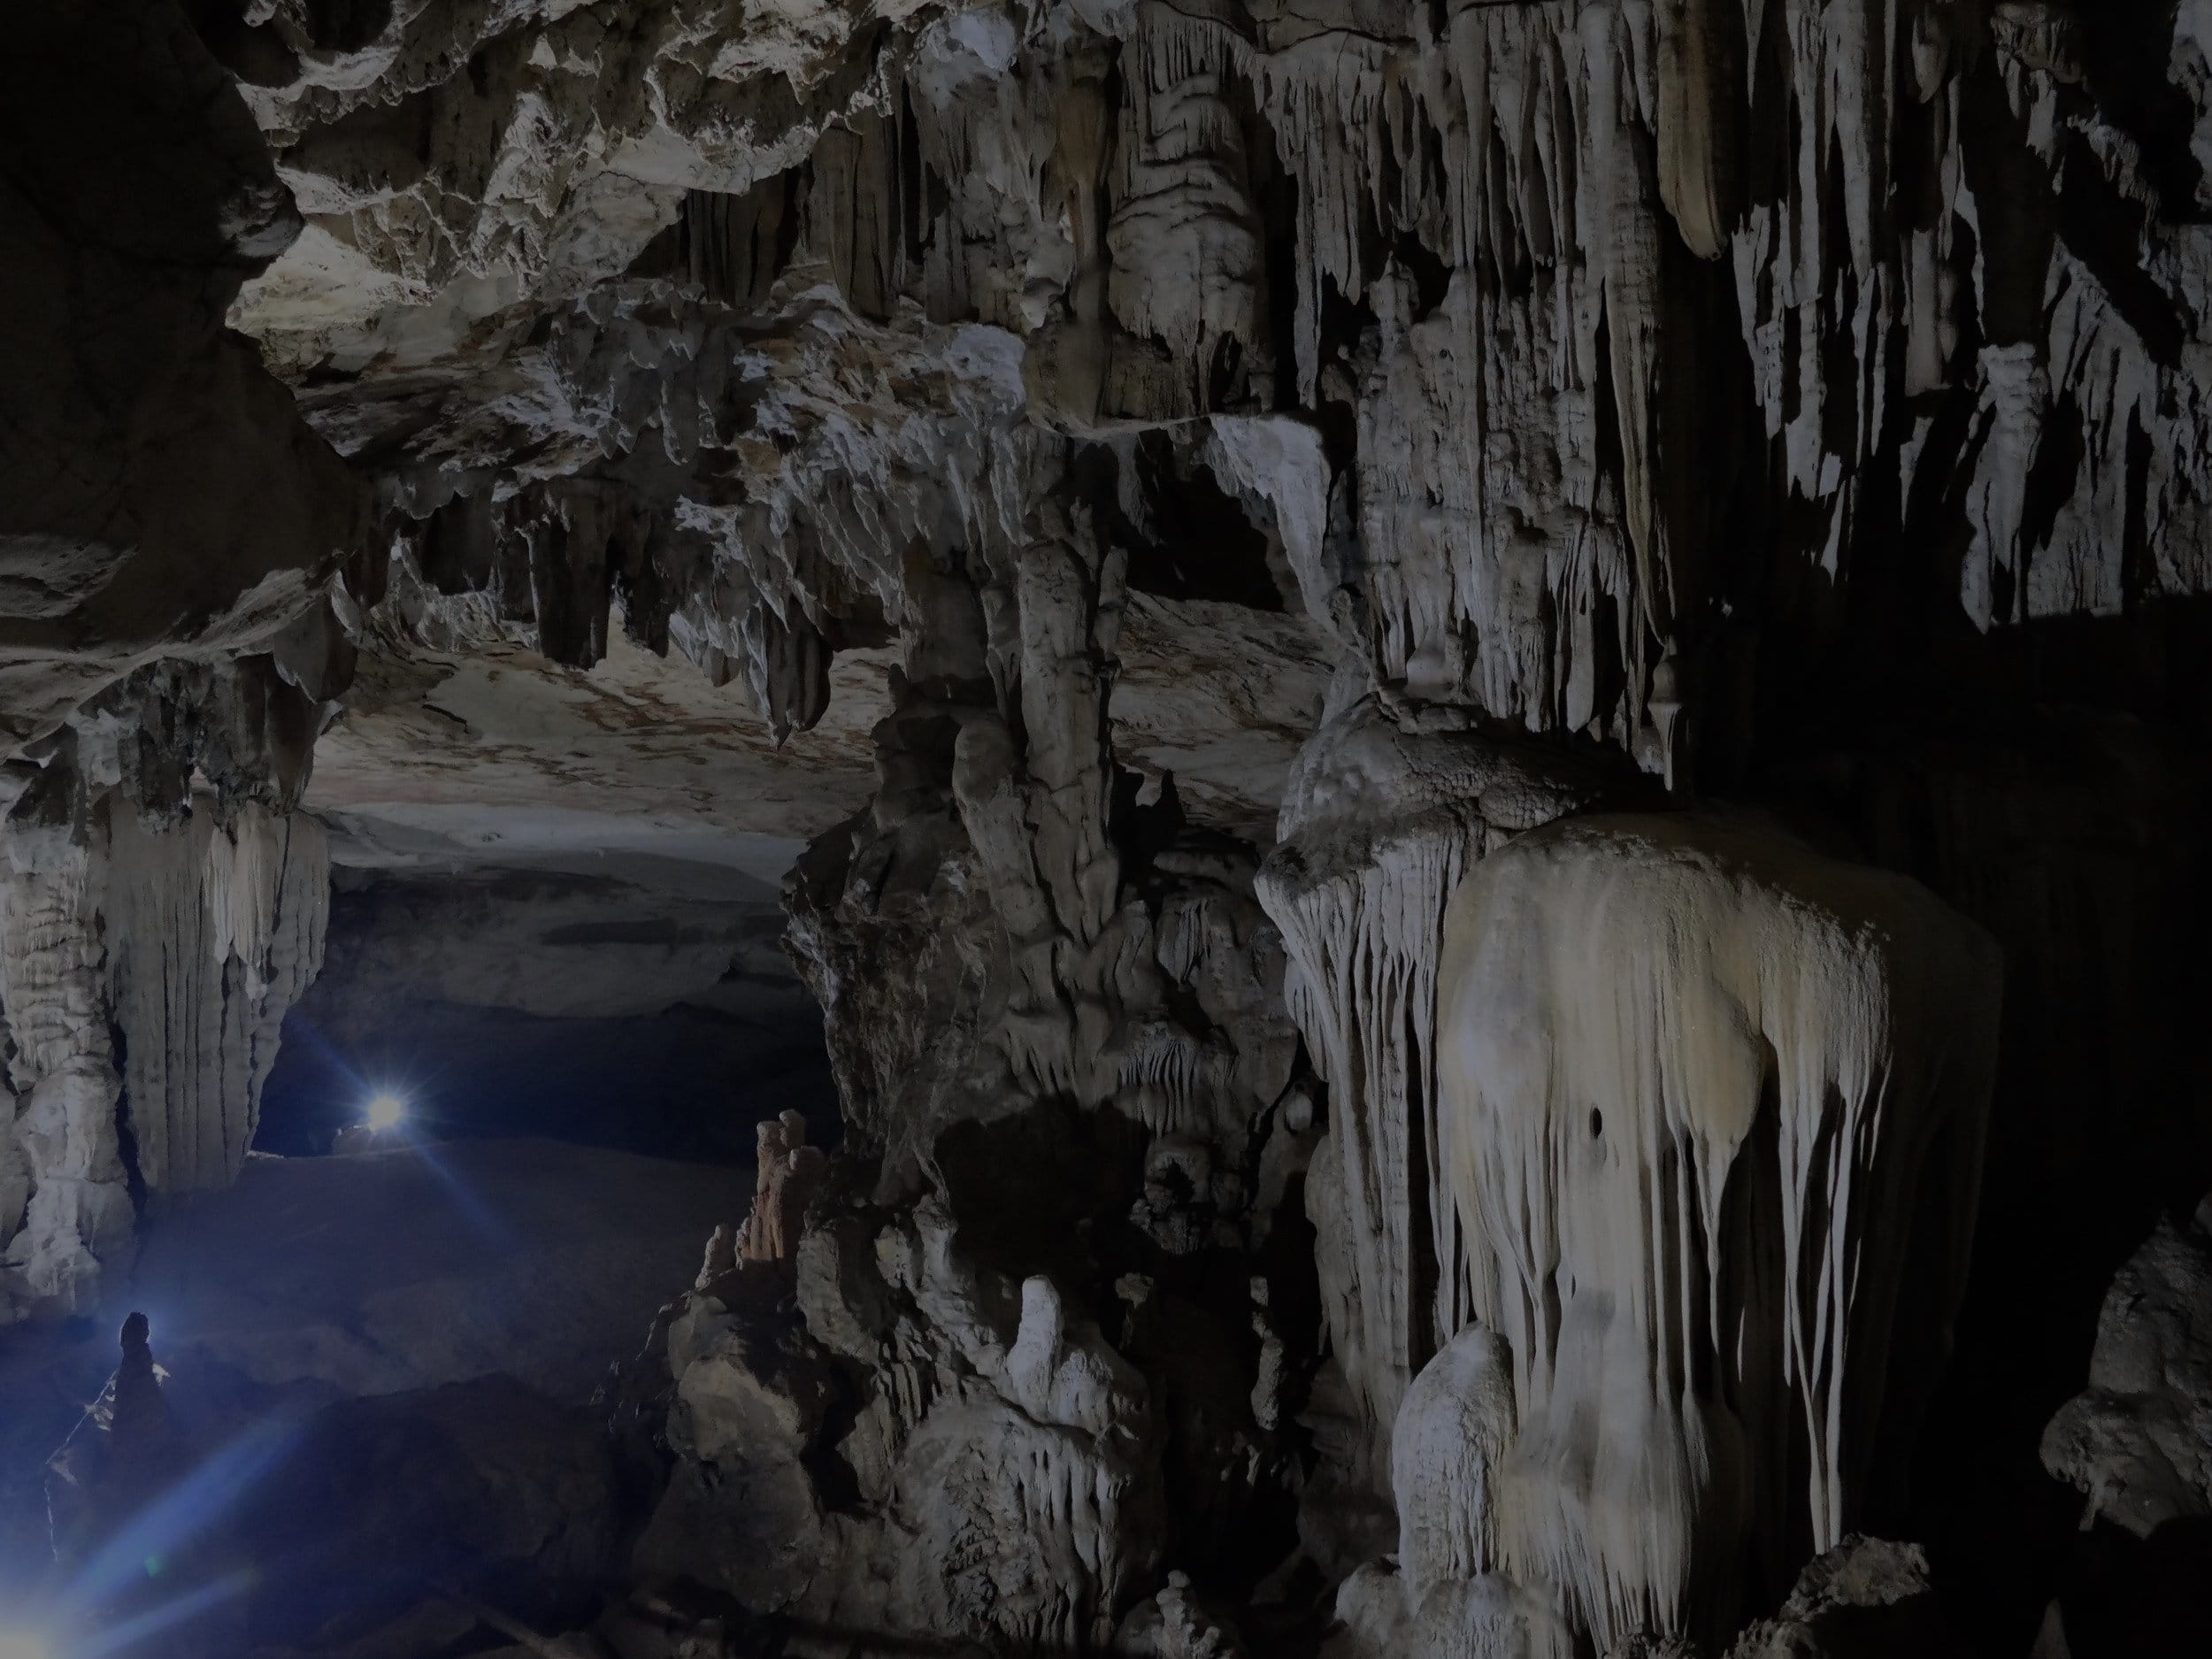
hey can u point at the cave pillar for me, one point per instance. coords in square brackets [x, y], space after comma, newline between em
[145, 971]
[1713, 1114]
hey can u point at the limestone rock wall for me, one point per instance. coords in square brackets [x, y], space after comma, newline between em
[168, 523]
[1715, 1116]
[147, 975]
[1791, 406]
[159, 493]
[217, 929]
[1072, 1138]
[1540, 268]
[1379, 829]
[156, 932]
[69, 1209]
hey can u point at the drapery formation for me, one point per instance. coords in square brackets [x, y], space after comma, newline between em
[1715, 1116]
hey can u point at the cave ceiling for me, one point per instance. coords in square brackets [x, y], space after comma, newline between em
[1469, 739]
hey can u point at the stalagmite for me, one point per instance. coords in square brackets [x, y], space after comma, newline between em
[118, 1458]
[787, 1172]
[1714, 1116]
[1447, 1456]
[1171, 527]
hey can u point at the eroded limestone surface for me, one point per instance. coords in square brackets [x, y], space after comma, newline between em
[1714, 1111]
[1410, 676]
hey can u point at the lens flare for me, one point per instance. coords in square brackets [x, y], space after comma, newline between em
[385, 1111]
[184, 1512]
[132, 1633]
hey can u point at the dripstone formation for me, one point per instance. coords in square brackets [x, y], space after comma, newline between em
[1484, 726]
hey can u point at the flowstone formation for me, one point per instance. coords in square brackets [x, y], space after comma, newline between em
[1714, 1120]
[164, 906]
[1419, 670]
[1379, 828]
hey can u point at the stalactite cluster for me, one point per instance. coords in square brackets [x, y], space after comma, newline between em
[1523, 687]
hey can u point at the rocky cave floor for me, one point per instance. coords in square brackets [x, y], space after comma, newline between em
[1185, 829]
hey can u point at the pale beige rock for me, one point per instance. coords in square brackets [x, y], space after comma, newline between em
[1379, 827]
[1694, 1074]
[943, 453]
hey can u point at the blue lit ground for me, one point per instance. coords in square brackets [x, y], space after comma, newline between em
[320, 1278]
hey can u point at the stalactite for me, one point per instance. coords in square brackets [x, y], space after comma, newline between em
[70, 1219]
[1714, 1117]
[214, 930]
[1185, 243]
[1624, 370]
[1379, 832]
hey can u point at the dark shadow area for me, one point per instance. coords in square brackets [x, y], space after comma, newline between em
[2124, 1597]
[1197, 542]
[2051, 780]
[1060, 1192]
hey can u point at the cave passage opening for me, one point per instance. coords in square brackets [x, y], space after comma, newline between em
[655, 1016]
[500, 1128]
